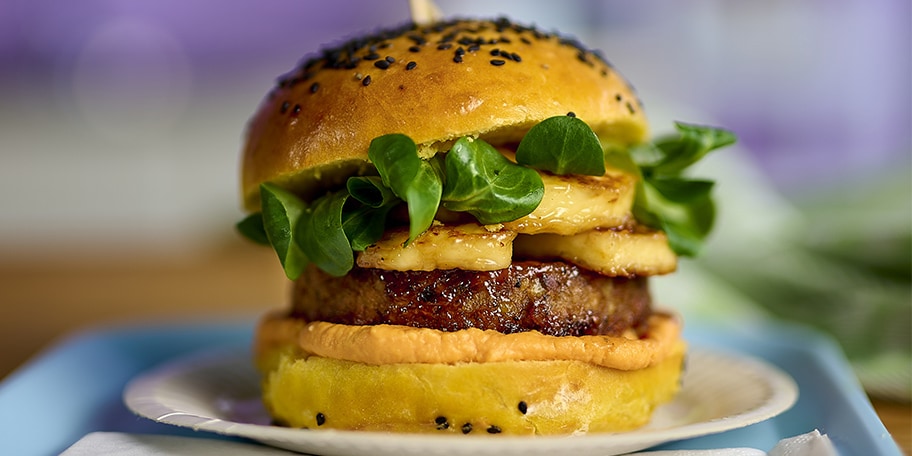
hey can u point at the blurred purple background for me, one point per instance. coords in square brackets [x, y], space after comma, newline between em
[121, 121]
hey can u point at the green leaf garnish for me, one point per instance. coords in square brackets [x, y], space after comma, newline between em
[693, 143]
[252, 228]
[484, 183]
[414, 180]
[681, 190]
[684, 210]
[365, 225]
[622, 158]
[281, 211]
[681, 207]
[320, 236]
[474, 177]
[562, 145]
[370, 191]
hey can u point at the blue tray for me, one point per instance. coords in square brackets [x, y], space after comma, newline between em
[75, 387]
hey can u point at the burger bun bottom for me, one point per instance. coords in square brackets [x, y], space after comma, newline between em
[511, 397]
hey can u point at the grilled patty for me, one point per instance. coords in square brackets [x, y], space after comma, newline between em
[555, 298]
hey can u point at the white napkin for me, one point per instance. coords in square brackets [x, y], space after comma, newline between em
[810, 444]
[120, 444]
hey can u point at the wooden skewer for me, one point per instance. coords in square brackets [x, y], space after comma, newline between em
[424, 11]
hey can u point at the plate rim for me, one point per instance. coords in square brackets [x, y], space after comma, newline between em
[138, 398]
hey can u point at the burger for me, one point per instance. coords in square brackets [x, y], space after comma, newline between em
[469, 212]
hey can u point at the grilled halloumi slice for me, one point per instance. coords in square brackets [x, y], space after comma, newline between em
[468, 246]
[585, 220]
[628, 252]
[577, 203]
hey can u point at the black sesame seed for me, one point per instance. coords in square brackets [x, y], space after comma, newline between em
[366, 81]
[583, 56]
[285, 106]
[297, 109]
[494, 430]
[448, 35]
[523, 408]
[441, 423]
[311, 63]
[466, 428]
[382, 64]
[460, 51]
[411, 65]
[569, 114]
[314, 87]
[390, 59]
[321, 418]
[618, 97]
[457, 58]
[630, 108]
[495, 52]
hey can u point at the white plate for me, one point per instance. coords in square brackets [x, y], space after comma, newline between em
[219, 392]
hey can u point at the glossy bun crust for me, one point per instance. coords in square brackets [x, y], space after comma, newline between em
[435, 83]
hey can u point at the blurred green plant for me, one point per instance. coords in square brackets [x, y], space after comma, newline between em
[844, 266]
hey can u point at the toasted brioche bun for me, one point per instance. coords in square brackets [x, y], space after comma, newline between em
[315, 127]
[613, 388]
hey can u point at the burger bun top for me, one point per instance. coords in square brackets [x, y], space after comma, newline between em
[435, 83]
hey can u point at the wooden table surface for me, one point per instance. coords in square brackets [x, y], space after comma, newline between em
[45, 299]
